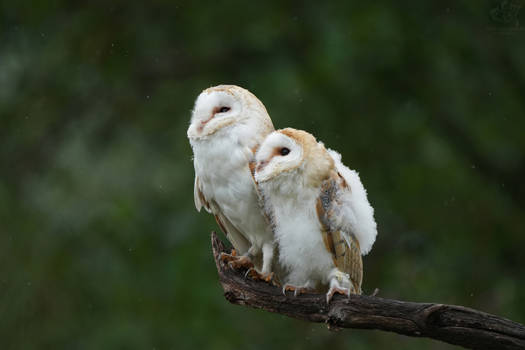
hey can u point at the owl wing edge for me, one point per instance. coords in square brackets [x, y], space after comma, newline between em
[343, 246]
[198, 197]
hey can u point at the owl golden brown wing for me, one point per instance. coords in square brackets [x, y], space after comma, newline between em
[343, 246]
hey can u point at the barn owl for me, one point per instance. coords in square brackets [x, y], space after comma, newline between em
[319, 210]
[228, 123]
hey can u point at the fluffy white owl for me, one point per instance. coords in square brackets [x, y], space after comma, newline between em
[320, 213]
[228, 124]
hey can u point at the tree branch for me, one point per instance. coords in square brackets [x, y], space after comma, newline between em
[449, 323]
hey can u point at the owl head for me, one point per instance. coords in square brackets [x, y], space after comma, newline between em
[291, 153]
[223, 106]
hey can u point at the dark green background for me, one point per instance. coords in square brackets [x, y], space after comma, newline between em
[100, 243]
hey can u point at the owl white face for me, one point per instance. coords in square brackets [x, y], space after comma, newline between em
[278, 154]
[215, 109]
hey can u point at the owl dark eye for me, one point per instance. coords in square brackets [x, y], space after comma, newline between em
[284, 151]
[224, 109]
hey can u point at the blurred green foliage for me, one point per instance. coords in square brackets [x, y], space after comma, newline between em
[100, 244]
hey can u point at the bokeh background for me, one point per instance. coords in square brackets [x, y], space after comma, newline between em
[100, 243]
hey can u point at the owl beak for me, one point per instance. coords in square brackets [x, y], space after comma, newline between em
[260, 174]
[204, 122]
[261, 166]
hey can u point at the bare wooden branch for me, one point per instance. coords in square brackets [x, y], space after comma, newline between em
[448, 323]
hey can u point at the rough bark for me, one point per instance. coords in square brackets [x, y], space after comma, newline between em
[448, 323]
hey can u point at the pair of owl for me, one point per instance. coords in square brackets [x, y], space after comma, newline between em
[284, 201]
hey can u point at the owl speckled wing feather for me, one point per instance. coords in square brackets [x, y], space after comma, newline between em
[343, 246]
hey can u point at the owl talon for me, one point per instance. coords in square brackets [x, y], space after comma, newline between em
[296, 290]
[236, 262]
[252, 272]
[248, 273]
[288, 287]
[240, 262]
[225, 257]
[333, 290]
[267, 277]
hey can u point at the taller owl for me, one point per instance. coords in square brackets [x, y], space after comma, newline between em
[227, 126]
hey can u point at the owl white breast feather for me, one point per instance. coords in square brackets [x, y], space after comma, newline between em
[228, 124]
[320, 213]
